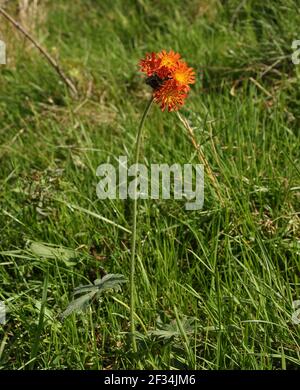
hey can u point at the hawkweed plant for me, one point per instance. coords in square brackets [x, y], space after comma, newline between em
[170, 78]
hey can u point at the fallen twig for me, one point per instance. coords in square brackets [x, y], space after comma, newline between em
[50, 59]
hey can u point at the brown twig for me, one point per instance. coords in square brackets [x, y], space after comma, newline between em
[201, 156]
[51, 60]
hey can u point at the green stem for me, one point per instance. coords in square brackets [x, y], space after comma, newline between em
[133, 242]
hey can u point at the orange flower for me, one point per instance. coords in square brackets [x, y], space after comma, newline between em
[168, 62]
[170, 96]
[183, 75]
[169, 76]
[150, 64]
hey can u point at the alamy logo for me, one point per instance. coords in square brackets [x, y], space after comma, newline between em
[296, 314]
[2, 312]
[296, 53]
[2, 53]
[160, 181]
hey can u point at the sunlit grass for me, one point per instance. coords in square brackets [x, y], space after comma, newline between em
[215, 287]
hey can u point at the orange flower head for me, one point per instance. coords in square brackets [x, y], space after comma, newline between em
[150, 64]
[183, 75]
[170, 96]
[168, 62]
[169, 77]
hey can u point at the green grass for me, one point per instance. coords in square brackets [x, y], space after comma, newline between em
[215, 287]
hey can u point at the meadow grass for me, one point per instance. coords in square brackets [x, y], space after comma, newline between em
[214, 287]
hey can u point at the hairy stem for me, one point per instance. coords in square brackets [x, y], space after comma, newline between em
[134, 230]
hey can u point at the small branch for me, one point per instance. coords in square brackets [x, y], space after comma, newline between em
[50, 59]
[255, 82]
[201, 156]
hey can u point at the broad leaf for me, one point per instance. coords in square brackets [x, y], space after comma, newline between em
[78, 304]
[50, 251]
[108, 282]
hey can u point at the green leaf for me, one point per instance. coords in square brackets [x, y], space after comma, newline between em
[50, 251]
[78, 304]
[167, 331]
[108, 282]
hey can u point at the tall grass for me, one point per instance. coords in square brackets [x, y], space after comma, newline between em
[216, 286]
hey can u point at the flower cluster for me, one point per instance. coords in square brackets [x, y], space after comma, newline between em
[169, 76]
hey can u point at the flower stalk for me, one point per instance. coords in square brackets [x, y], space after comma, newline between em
[134, 229]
